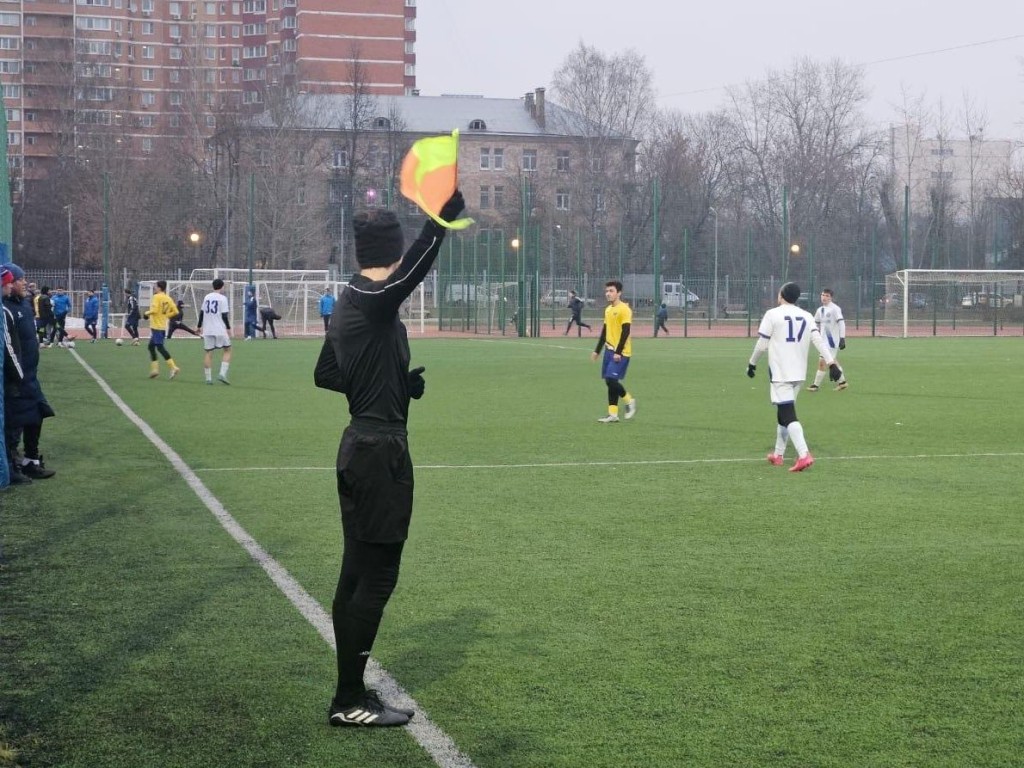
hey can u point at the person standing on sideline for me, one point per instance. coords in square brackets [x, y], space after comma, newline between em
[26, 408]
[161, 309]
[251, 312]
[215, 325]
[327, 309]
[576, 308]
[366, 357]
[13, 375]
[61, 307]
[44, 316]
[618, 348]
[787, 332]
[91, 314]
[829, 319]
[660, 318]
[131, 316]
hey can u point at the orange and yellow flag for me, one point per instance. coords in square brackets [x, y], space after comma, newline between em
[430, 175]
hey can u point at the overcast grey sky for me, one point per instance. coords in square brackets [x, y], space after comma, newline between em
[694, 49]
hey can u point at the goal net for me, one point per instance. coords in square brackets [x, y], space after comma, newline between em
[944, 302]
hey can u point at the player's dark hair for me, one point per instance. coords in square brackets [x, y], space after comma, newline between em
[790, 292]
[161, 284]
[829, 291]
[218, 284]
[614, 283]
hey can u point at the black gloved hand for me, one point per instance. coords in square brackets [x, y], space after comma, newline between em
[416, 384]
[842, 343]
[835, 373]
[751, 368]
[456, 204]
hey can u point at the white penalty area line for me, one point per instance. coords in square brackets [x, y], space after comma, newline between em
[639, 463]
[429, 736]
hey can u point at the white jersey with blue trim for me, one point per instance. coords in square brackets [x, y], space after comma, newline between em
[789, 331]
[829, 318]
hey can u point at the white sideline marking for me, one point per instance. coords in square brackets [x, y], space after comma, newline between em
[644, 462]
[434, 741]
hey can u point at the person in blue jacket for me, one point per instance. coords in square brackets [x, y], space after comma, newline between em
[327, 309]
[25, 408]
[61, 308]
[251, 312]
[91, 314]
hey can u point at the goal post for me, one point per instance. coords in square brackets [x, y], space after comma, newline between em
[947, 302]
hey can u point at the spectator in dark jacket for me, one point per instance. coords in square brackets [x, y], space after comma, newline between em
[25, 409]
[91, 314]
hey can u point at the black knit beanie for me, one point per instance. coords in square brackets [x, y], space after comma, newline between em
[379, 239]
[790, 292]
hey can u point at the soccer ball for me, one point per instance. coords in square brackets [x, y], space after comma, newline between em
[119, 342]
[70, 345]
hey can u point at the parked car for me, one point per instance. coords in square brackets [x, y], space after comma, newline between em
[984, 300]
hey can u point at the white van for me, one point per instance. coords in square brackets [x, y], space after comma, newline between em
[672, 295]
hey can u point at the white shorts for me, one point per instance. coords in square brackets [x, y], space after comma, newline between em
[217, 341]
[785, 391]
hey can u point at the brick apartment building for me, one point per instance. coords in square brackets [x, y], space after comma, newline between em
[137, 72]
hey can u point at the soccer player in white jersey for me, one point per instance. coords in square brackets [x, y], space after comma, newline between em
[215, 324]
[787, 332]
[829, 319]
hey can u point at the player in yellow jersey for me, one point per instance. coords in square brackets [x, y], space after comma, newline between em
[161, 309]
[618, 348]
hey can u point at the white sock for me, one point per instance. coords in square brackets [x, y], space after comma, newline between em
[781, 438]
[819, 377]
[224, 370]
[208, 373]
[796, 434]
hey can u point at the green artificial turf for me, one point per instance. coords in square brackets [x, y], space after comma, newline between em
[572, 594]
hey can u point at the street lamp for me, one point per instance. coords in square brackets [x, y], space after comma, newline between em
[521, 292]
[70, 246]
[714, 291]
[194, 239]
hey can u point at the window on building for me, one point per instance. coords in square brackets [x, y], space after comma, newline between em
[382, 123]
[148, 27]
[599, 202]
[147, 144]
[300, 196]
[562, 160]
[477, 125]
[339, 158]
[498, 159]
[562, 199]
[529, 159]
[175, 121]
[174, 53]
[485, 158]
[148, 51]
[148, 74]
[174, 75]
[148, 99]
[499, 197]
[175, 99]
[485, 197]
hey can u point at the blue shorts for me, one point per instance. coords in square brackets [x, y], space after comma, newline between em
[611, 369]
[157, 338]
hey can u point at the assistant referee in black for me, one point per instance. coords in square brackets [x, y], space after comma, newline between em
[366, 356]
